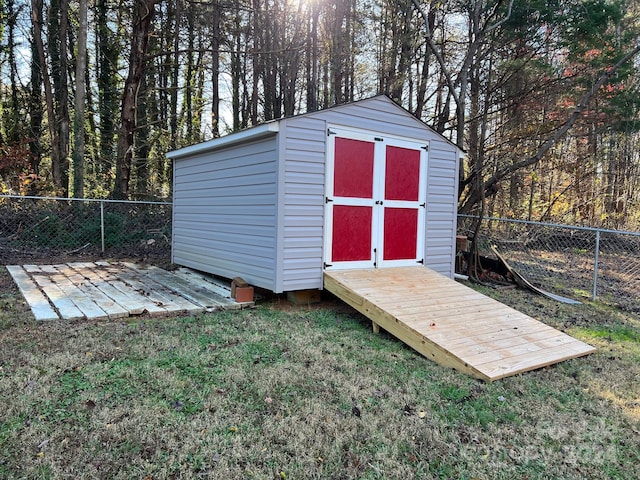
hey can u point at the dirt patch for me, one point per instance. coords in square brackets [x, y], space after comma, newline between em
[328, 301]
[160, 257]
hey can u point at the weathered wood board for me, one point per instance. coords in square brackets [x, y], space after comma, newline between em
[193, 291]
[134, 301]
[64, 305]
[112, 290]
[206, 281]
[106, 303]
[40, 306]
[452, 324]
[163, 298]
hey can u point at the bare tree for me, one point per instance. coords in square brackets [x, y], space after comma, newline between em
[144, 11]
[58, 35]
[79, 104]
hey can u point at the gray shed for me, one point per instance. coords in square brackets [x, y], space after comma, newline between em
[358, 185]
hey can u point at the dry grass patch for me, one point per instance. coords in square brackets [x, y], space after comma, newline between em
[306, 394]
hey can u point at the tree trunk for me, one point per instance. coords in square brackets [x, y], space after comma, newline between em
[143, 16]
[190, 74]
[312, 59]
[107, 67]
[78, 120]
[57, 36]
[12, 129]
[236, 69]
[141, 140]
[175, 72]
[256, 61]
[424, 79]
[37, 21]
[35, 97]
[216, 37]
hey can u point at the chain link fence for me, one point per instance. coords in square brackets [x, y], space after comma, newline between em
[578, 262]
[58, 229]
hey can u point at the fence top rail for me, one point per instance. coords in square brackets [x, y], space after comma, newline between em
[98, 200]
[555, 225]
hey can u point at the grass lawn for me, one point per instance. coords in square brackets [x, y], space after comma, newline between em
[298, 393]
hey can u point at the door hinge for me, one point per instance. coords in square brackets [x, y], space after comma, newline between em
[426, 148]
[423, 205]
[378, 139]
[330, 132]
[327, 265]
[327, 200]
[421, 261]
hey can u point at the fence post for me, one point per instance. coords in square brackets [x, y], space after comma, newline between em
[102, 225]
[596, 259]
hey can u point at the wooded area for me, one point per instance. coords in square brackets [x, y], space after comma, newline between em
[542, 95]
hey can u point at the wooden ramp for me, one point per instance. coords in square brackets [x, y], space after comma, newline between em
[452, 324]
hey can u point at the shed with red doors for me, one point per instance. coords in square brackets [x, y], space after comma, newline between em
[359, 185]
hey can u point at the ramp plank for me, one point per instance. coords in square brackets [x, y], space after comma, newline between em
[38, 303]
[453, 324]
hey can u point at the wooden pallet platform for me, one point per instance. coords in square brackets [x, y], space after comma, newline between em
[112, 290]
[452, 324]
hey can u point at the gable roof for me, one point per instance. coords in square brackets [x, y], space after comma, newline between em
[272, 127]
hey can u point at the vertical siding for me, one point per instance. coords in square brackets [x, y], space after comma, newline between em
[442, 207]
[224, 211]
[255, 208]
[302, 207]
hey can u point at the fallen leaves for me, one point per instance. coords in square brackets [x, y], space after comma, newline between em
[409, 411]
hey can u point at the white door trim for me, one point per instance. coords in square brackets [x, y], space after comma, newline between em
[380, 142]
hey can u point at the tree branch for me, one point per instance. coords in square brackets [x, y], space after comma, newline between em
[436, 51]
[559, 133]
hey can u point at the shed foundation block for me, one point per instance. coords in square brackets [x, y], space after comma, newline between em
[304, 297]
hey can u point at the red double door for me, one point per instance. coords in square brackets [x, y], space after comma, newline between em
[375, 200]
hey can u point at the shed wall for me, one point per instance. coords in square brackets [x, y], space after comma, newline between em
[225, 211]
[303, 153]
[254, 206]
[302, 211]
